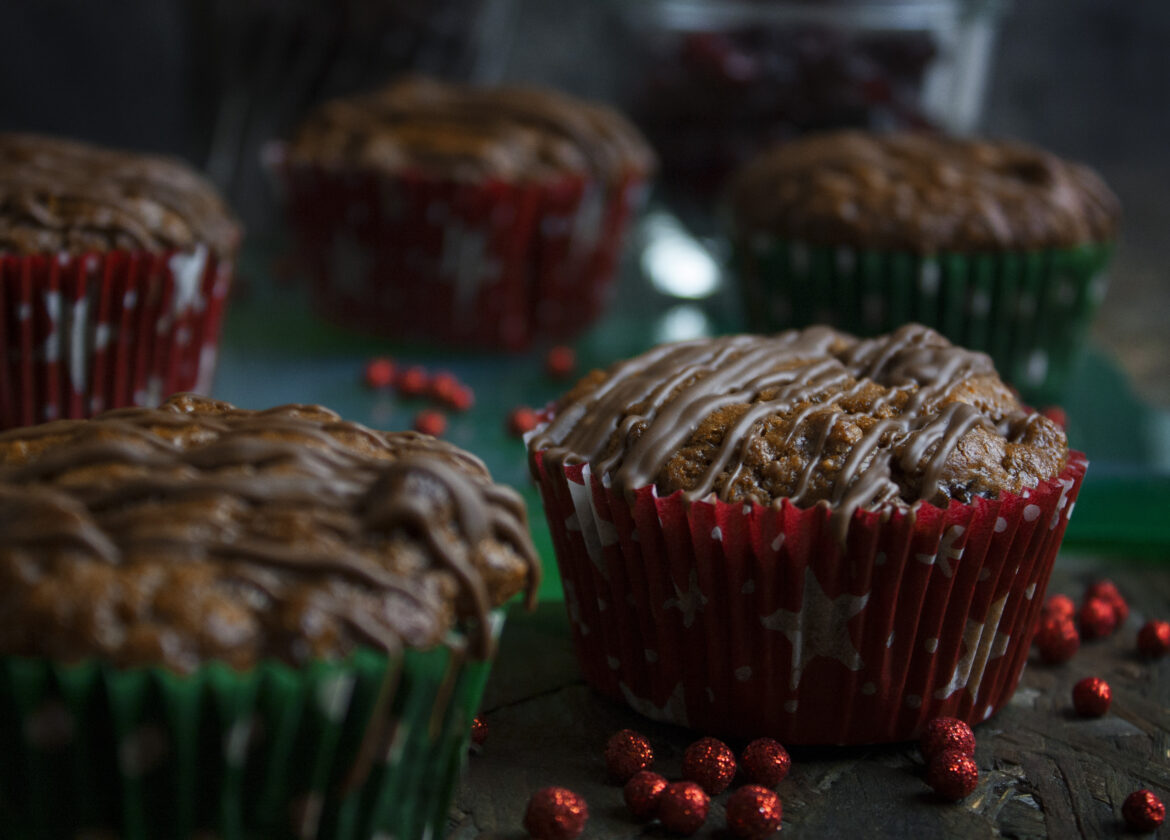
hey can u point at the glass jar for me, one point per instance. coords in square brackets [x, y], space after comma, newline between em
[712, 82]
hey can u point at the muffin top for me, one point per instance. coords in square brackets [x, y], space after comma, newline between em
[813, 415]
[922, 193]
[198, 531]
[59, 195]
[469, 133]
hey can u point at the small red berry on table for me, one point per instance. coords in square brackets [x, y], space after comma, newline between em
[1059, 606]
[1057, 640]
[1143, 810]
[765, 762]
[521, 420]
[754, 812]
[413, 381]
[1098, 618]
[626, 753]
[1107, 591]
[952, 775]
[560, 361]
[946, 733]
[479, 730]
[1153, 639]
[683, 807]
[642, 792]
[379, 373]
[555, 813]
[1091, 697]
[711, 763]
[430, 422]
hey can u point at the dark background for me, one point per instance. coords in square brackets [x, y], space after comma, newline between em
[1084, 78]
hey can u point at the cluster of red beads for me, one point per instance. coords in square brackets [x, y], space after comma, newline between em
[1102, 611]
[414, 381]
[948, 746]
[555, 813]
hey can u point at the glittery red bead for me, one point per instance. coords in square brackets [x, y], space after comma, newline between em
[1097, 617]
[627, 752]
[1108, 592]
[555, 813]
[412, 382]
[430, 422]
[1153, 639]
[379, 373]
[521, 421]
[765, 762]
[952, 775]
[560, 361]
[1057, 640]
[711, 763]
[1059, 606]
[1143, 810]
[479, 730]
[641, 793]
[754, 812]
[946, 733]
[452, 393]
[683, 807]
[1091, 697]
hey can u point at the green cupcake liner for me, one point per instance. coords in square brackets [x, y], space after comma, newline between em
[1029, 310]
[367, 747]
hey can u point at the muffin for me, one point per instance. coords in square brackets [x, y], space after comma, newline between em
[486, 217]
[114, 267]
[250, 623]
[806, 535]
[998, 245]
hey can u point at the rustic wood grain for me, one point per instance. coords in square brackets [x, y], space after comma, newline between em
[1044, 772]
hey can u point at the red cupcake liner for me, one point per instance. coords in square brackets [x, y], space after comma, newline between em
[83, 333]
[746, 620]
[488, 264]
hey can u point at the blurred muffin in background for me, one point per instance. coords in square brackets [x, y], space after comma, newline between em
[114, 269]
[1000, 246]
[490, 217]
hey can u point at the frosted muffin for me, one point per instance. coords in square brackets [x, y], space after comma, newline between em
[807, 535]
[999, 245]
[270, 623]
[114, 268]
[485, 216]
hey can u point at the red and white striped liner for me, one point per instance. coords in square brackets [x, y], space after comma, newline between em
[745, 621]
[488, 264]
[83, 333]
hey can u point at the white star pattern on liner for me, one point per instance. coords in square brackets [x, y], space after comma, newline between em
[818, 627]
[689, 602]
[466, 263]
[187, 275]
[674, 710]
[1066, 484]
[595, 531]
[978, 651]
[946, 551]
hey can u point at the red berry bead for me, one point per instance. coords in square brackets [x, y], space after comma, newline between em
[753, 812]
[711, 763]
[521, 421]
[379, 373]
[1153, 639]
[479, 730]
[1057, 640]
[461, 399]
[1059, 606]
[1108, 592]
[413, 382]
[952, 775]
[1098, 618]
[626, 753]
[1143, 810]
[683, 807]
[765, 762]
[946, 733]
[555, 813]
[430, 422]
[560, 361]
[1091, 697]
[642, 792]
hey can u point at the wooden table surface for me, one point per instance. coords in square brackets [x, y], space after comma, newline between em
[1044, 772]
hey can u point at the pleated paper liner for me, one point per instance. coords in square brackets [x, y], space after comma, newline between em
[745, 621]
[84, 333]
[489, 264]
[1030, 311]
[365, 747]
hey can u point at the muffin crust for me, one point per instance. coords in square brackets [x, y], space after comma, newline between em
[200, 531]
[921, 193]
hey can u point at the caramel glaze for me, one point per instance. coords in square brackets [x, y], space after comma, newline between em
[200, 531]
[921, 193]
[514, 133]
[814, 416]
[62, 196]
